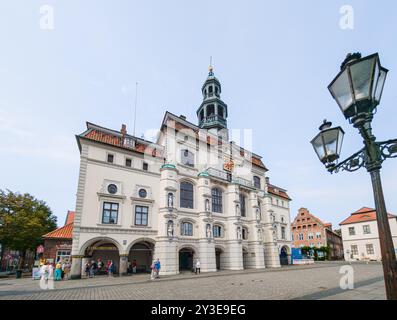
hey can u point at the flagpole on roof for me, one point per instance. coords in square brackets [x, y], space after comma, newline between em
[136, 102]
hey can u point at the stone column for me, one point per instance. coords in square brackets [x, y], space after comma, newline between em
[233, 256]
[123, 264]
[75, 271]
[272, 258]
[167, 240]
[206, 241]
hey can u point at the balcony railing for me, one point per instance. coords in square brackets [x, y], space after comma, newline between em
[219, 174]
[213, 120]
[243, 182]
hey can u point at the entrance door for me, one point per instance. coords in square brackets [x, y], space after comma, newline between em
[218, 259]
[186, 259]
[283, 257]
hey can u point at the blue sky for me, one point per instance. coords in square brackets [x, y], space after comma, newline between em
[273, 58]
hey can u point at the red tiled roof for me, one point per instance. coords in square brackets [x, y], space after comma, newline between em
[69, 217]
[278, 192]
[117, 141]
[64, 232]
[362, 215]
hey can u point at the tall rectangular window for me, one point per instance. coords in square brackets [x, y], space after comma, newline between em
[128, 162]
[141, 215]
[354, 250]
[366, 229]
[283, 233]
[187, 229]
[242, 205]
[257, 182]
[370, 248]
[110, 158]
[352, 232]
[110, 213]
[217, 231]
[145, 166]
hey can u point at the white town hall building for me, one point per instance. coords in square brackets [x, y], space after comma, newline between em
[193, 194]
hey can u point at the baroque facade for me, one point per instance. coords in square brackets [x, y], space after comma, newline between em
[192, 194]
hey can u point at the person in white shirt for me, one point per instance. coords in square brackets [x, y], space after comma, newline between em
[197, 266]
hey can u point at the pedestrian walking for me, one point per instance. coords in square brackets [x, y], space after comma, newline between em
[58, 272]
[197, 266]
[134, 265]
[157, 267]
[111, 269]
[51, 271]
[153, 273]
[66, 271]
[87, 269]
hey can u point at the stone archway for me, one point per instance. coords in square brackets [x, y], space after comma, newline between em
[245, 258]
[105, 251]
[186, 258]
[284, 255]
[140, 255]
[220, 258]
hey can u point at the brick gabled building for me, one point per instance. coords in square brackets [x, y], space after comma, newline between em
[58, 243]
[310, 231]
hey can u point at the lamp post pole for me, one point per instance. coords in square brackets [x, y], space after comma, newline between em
[373, 166]
[358, 89]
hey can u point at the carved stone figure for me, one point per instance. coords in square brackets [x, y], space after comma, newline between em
[208, 232]
[238, 212]
[258, 214]
[207, 205]
[170, 228]
[170, 200]
[239, 236]
[260, 235]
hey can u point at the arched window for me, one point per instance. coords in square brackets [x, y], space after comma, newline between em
[202, 115]
[217, 231]
[210, 89]
[242, 205]
[245, 234]
[187, 158]
[186, 229]
[210, 110]
[257, 182]
[220, 111]
[186, 200]
[216, 200]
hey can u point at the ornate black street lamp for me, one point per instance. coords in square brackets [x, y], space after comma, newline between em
[358, 90]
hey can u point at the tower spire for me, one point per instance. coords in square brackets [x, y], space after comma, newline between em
[212, 113]
[210, 68]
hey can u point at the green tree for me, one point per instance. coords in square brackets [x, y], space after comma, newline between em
[24, 220]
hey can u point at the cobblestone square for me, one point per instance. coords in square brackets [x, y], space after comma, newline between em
[319, 281]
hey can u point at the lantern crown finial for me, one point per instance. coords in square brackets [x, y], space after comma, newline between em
[350, 57]
[325, 125]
